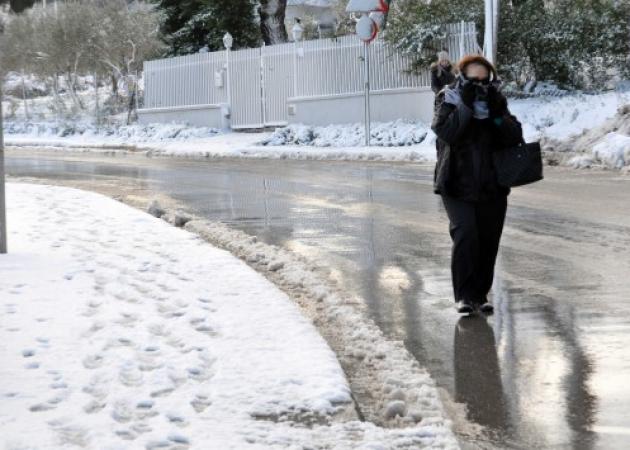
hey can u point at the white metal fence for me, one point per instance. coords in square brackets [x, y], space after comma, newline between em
[257, 82]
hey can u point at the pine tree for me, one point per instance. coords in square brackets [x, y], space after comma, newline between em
[417, 28]
[576, 43]
[18, 6]
[192, 25]
[272, 16]
[572, 42]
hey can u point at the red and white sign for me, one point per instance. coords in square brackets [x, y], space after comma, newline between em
[367, 6]
[367, 30]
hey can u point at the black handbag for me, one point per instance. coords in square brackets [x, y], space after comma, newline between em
[520, 165]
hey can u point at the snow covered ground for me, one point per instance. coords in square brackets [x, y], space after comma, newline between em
[120, 331]
[544, 117]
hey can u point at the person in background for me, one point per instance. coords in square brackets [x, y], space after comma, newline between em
[441, 72]
[471, 122]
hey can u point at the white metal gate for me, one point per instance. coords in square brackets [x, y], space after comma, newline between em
[246, 89]
[278, 72]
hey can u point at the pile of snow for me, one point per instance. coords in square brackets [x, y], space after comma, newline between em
[125, 134]
[613, 151]
[562, 117]
[391, 134]
[124, 332]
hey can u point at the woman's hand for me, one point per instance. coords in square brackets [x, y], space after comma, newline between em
[468, 93]
[497, 103]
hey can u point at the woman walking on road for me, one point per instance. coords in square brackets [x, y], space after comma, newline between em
[441, 72]
[471, 122]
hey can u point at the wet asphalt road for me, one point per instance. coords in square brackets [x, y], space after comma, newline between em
[551, 369]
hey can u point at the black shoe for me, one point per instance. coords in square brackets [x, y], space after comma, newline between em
[486, 307]
[464, 307]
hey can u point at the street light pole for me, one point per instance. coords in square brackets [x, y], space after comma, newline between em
[3, 215]
[373, 20]
[491, 30]
[228, 42]
[366, 80]
[297, 32]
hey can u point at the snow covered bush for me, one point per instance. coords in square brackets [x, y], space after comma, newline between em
[391, 134]
[127, 134]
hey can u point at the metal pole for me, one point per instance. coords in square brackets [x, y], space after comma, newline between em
[488, 45]
[495, 29]
[3, 215]
[96, 111]
[462, 37]
[368, 118]
[24, 97]
[295, 67]
[227, 78]
[263, 90]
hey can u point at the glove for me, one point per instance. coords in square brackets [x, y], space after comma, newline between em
[468, 93]
[497, 103]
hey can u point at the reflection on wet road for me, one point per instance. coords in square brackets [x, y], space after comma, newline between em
[549, 370]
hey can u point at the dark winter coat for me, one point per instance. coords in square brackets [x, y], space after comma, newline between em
[441, 76]
[464, 167]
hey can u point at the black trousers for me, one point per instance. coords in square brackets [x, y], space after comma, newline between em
[475, 228]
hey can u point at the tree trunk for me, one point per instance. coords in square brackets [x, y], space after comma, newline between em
[114, 86]
[71, 82]
[272, 16]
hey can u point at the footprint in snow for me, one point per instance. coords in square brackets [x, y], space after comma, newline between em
[93, 361]
[130, 375]
[40, 407]
[164, 392]
[122, 412]
[127, 435]
[149, 358]
[97, 326]
[127, 319]
[158, 329]
[201, 402]
[94, 406]
[177, 419]
[72, 435]
[98, 387]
